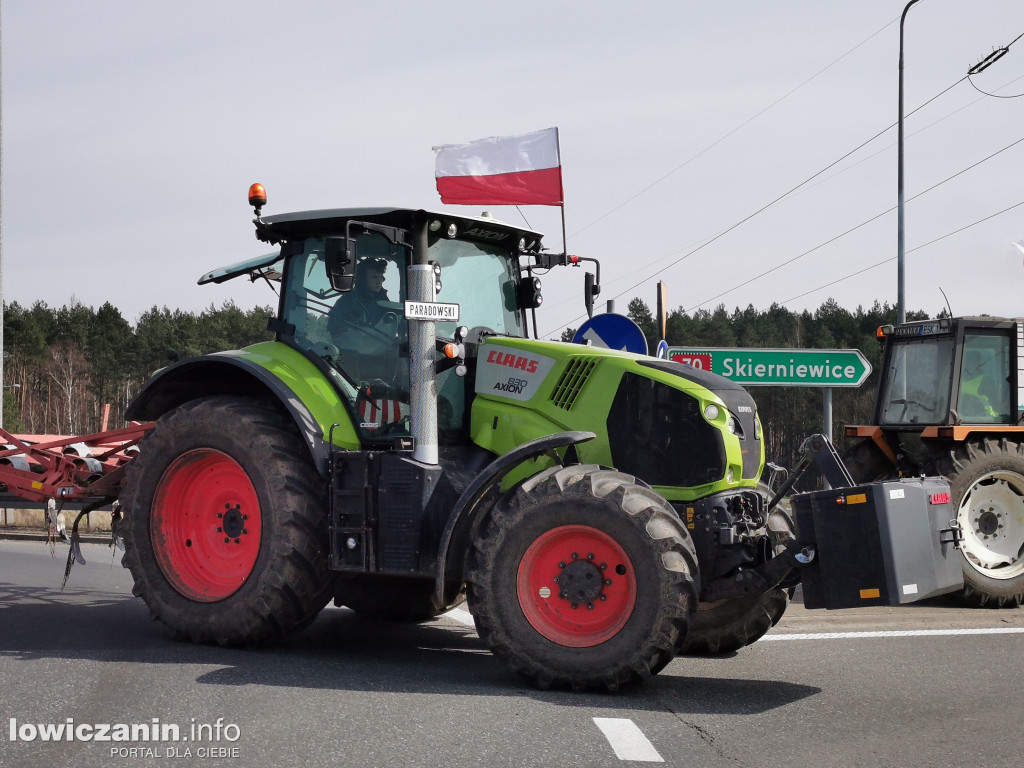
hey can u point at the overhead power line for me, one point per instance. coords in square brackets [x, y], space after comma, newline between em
[765, 207]
[781, 197]
[987, 62]
[911, 250]
[739, 127]
[792, 190]
[853, 229]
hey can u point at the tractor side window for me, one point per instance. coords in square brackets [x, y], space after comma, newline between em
[985, 380]
[917, 383]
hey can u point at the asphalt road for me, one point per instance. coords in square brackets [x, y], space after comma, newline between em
[940, 686]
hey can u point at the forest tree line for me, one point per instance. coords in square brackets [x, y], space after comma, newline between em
[63, 365]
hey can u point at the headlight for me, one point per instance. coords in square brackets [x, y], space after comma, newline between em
[711, 412]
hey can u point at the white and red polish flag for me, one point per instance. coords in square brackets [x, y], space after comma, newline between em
[501, 170]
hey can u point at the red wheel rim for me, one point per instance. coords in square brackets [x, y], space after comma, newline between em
[205, 525]
[576, 586]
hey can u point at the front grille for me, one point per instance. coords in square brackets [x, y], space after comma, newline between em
[571, 382]
[659, 434]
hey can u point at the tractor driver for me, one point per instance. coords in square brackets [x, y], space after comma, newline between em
[362, 305]
[365, 327]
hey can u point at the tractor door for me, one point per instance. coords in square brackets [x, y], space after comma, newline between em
[984, 391]
[359, 337]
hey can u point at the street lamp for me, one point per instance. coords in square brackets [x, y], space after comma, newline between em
[901, 303]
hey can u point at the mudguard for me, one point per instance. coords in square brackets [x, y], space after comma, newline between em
[492, 474]
[271, 368]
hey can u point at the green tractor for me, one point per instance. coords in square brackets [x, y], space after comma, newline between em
[404, 444]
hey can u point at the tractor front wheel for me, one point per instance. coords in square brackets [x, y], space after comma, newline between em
[226, 531]
[728, 625]
[986, 480]
[583, 577]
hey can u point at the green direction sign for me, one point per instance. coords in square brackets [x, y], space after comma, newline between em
[779, 367]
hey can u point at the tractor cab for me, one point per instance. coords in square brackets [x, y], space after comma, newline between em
[345, 281]
[949, 372]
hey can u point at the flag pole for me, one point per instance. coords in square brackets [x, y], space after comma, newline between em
[561, 204]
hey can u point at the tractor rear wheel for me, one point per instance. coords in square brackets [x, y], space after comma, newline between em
[583, 577]
[986, 480]
[226, 531]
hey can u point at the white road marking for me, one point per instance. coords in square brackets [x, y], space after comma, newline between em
[465, 617]
[895, 633]
[461, 616]
[628, 740]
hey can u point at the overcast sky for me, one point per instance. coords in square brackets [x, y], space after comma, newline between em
[132, 130]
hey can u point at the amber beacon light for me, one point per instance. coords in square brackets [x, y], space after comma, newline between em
[257, 197]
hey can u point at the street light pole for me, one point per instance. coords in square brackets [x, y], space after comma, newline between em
[901, 302]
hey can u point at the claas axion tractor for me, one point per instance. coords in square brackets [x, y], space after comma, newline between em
[403, 443]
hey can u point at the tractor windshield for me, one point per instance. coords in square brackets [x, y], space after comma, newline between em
[916, 388]
[482, 280]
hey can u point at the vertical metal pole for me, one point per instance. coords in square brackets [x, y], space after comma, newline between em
[826, 421]
[1, 230]
[422, 334]
[826, 413]
[561, 203]
[901, 303]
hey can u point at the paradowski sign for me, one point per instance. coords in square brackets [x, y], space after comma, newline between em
[779, 367]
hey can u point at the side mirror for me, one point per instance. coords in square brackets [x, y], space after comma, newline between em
[590, 290]
[340, 257]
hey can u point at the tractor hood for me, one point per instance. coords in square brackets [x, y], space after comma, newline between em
[680, 428]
